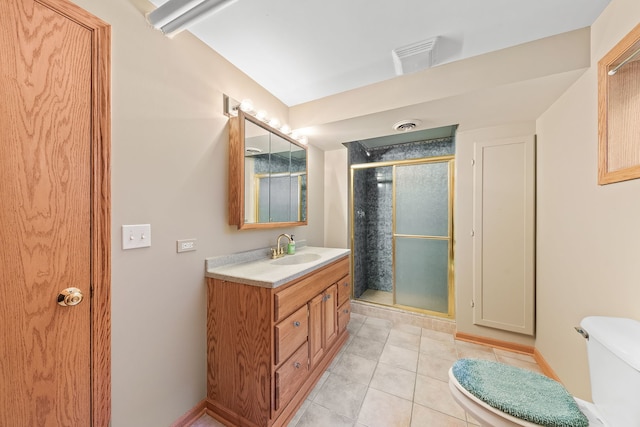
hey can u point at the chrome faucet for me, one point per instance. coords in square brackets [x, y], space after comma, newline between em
[279, 251]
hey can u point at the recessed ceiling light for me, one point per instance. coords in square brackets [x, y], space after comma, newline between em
[406, 125]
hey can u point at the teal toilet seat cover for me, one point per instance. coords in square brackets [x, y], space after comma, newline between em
[518, 392]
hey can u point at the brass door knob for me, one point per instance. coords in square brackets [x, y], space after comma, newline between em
[70, 297]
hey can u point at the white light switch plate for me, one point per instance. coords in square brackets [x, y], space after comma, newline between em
[136, 236]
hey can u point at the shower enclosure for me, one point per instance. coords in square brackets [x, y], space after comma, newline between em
[402, 226]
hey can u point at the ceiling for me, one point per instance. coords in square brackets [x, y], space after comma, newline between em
[305, 52]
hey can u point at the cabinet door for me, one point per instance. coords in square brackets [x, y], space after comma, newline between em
[315, 329]
[330, 315]
[504, 235]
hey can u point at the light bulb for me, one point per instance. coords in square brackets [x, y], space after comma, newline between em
[246, 105]
[261, 115]
[274, 123]
[285, 129]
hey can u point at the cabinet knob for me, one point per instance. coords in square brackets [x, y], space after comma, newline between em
[345, 284]
[296, 365]
[296, 324]
[346, 311]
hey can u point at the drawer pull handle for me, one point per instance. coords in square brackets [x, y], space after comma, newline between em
[296, 365]
[296, 324]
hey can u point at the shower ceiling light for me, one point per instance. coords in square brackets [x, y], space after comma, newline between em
[406, 125]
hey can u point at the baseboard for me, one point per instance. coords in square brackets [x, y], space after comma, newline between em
[546, 368]
[509, 346]
[491, 342]
[192, 415]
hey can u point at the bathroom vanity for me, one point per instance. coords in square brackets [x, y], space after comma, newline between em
[273, 327]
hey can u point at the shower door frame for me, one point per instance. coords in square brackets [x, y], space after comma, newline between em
[450, 159]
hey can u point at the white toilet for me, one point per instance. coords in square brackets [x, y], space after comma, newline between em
[613, 348]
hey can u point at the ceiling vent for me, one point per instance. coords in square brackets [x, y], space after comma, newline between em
[406, 125]
[414, 57]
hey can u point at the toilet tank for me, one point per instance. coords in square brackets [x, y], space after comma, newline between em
[613, 348]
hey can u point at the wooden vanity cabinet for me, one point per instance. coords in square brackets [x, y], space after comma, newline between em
[267, 347]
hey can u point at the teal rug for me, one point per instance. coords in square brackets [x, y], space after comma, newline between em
[518, 392]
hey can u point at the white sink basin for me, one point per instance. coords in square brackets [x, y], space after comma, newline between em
[296, 259]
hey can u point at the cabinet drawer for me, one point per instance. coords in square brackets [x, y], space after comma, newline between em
[288, 300]
[344, 289]
[291, 375]
[344, 315]
[291, 333]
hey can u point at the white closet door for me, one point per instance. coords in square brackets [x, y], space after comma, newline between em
[504, 234]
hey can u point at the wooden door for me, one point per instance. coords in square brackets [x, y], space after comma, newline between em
[54, 215]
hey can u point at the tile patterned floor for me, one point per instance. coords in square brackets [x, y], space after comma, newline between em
[391, 374]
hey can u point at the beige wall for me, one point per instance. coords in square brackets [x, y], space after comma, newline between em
[169, 168]
[336, 201]
[588, 236]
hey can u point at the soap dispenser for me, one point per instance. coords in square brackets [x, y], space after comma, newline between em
[291, 247]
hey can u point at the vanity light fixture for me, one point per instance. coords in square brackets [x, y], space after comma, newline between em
[285, 129]
[231, 107]
[274, 123]
[176, 15]
[246, 105]
[261, 115]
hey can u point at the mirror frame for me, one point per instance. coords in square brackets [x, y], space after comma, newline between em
[616, 108]
[237, 173]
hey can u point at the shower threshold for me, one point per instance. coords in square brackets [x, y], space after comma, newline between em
[376, 296]
[385, 298]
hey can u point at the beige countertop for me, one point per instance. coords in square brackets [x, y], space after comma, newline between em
[258, 269]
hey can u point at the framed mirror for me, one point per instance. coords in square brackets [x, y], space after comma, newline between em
[267, 176]
[618, 110]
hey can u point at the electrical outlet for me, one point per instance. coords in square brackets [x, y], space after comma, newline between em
[186, 245]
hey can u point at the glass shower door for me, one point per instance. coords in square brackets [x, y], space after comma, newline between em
[422, 238]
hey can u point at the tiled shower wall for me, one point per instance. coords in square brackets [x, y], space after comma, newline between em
[373, 208]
